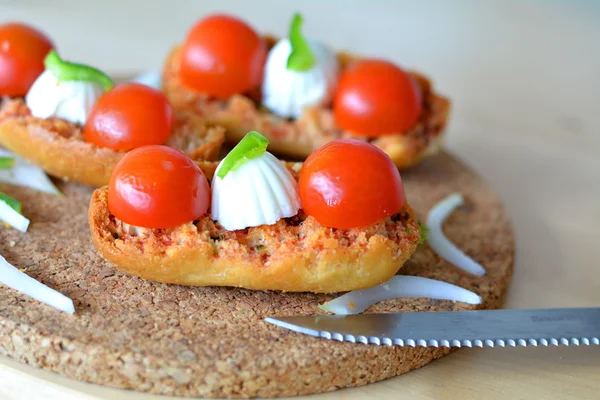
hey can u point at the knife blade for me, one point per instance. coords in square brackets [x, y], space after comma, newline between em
[485, 328]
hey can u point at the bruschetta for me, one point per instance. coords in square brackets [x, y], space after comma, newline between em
[284, 107]
[76, 125]
[265, 225]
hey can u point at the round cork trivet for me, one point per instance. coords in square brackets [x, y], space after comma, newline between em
[212, 342]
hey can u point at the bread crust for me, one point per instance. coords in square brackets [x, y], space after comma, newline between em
[316, 126]
[57, 146]
[295, 255]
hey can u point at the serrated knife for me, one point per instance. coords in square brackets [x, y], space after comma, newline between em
[486, 328]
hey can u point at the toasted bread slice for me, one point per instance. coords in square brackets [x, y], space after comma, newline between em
[57, 146]
[295, 255]
[315, 127]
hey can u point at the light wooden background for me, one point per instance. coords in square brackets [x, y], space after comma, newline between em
[525, 80]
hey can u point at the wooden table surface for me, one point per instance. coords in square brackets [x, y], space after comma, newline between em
[524, 78]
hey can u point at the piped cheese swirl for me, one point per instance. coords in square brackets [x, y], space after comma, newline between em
[69, 100]
[261, 191]
[287, 92]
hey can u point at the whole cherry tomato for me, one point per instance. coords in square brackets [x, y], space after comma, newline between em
[22, 52]
[157, 187]
[222, 56]
[129, 116]
[348, 183]
[375, 97]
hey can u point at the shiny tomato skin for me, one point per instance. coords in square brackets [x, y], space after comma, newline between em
[222, 56]
[128, 116]
[157, 187]
[348, 183]
[22, 52]
[376, 98]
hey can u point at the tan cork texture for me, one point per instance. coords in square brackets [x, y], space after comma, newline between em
[212, 342]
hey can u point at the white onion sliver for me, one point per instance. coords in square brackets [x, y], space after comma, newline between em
[12, 217]
[150, 78]
[441, 244]
[15, 279]
[399, 286]
[23, 173]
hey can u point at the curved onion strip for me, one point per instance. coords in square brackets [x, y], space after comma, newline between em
[12, 217]
[23, 173]
[149, 78]
[399, 286]
[440, 243]
[19, 281]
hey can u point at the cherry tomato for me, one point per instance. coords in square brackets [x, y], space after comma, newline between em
[157, 187]
[22, 52]
[129, 116]
[222, 56]
[375, 97]
[349, 183]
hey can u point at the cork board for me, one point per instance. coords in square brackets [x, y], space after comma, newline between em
[212, 342]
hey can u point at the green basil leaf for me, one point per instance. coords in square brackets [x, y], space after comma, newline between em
[68, 71]
[251, 146]
[301, 58]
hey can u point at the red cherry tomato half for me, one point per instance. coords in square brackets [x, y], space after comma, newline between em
[129, 116]
[222, 56]
[349, 183]
[157, 187]
[22, 52]
[375, 98]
